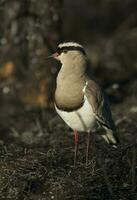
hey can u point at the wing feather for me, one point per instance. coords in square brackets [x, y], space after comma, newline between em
[100, 105]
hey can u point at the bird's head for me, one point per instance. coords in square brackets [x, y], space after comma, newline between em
[69, 52]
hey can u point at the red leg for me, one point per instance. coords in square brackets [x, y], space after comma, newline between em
[76, 146]
[87, 149]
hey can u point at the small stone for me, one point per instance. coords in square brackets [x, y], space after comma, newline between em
[115, 86]
[3, 41]
[6, 90]
[133, 109]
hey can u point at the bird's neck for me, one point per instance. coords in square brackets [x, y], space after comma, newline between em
[70, 82]
[72, 73]
[73, 69]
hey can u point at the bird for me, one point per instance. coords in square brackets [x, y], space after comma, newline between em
[79, 100]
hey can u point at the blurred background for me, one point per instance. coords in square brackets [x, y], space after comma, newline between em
[30, 30]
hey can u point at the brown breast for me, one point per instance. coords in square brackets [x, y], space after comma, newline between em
[69, 95]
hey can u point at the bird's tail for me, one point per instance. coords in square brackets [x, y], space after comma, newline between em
[111, 137]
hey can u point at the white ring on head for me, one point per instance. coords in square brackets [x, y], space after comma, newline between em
[70, 44]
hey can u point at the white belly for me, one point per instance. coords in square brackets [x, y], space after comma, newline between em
[81, 120]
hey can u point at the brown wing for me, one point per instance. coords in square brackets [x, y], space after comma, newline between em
[100, 105]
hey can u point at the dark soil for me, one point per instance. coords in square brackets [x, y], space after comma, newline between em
[36, 153]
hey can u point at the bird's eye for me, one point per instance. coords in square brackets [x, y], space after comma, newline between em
[59, 51]
[65, 51]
